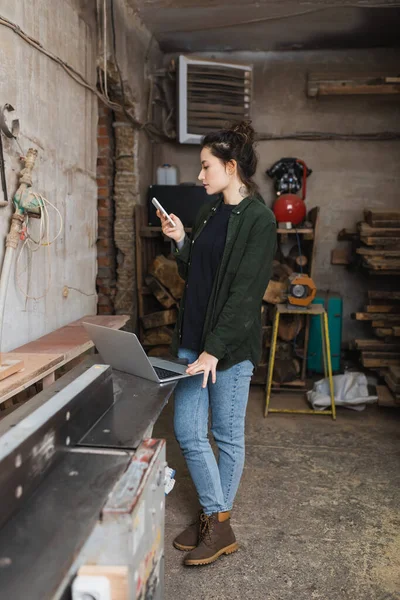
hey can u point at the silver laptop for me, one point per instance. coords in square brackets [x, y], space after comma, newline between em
[124, 352]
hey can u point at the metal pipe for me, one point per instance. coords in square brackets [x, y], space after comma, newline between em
[13, 236]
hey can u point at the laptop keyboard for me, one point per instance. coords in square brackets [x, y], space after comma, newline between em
[164, 373]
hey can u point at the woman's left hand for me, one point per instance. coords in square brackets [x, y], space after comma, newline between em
[207, 363]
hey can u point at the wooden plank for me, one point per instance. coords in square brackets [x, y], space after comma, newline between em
[348, 235]
[366, 316]
[37, 366]
[385, 397]
[384, 324]
[380, 241]
[382, 219]
[382, 264]
[383, 295]
[379, 359]
[377, 345]
[157, 337]
[165, 270]
[391, 383]
[396, 331]
[299, 230]
[72, 340]
[160, 318]
[384, 222]
[341, 256]
[367, 230]
[383, 308]
[395, 373]
[378, 252]
[8, 367]
[344, 84]
[383, 332]
[160, 292]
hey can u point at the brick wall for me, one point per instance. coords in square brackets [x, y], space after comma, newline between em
[106, 252]
[126, 196]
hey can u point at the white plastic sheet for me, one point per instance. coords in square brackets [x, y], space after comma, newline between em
[350, 389]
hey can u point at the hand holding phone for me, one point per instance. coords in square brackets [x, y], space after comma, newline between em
[156, 203]
[172, 228]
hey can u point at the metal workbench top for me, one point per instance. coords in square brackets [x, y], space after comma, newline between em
[44, 531]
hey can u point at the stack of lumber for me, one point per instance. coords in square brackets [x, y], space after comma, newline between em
[380, 238]
[376, 243]
[166, 285]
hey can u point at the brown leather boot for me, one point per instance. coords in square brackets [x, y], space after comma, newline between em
[216, 538]
[188, 539]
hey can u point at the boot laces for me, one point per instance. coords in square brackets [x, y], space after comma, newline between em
[206, 528]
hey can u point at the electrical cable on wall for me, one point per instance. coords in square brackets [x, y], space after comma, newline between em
[80, 79]
[32, 245]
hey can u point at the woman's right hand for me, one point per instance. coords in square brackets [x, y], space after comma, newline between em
[176, 233]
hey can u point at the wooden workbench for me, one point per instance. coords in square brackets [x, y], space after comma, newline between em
[47, 354]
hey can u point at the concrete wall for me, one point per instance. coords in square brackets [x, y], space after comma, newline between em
[58, 117]
[347, 176]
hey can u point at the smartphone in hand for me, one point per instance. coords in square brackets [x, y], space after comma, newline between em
[156, 203]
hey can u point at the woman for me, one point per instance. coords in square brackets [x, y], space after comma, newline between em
[226, 264]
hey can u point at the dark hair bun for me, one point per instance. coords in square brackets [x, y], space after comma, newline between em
[244, 129]
[235, 142]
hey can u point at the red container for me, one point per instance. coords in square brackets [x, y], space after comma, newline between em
[289, 208]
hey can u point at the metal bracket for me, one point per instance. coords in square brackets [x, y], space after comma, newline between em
[14, 131]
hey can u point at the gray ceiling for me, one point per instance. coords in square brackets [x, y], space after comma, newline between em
[263, 25]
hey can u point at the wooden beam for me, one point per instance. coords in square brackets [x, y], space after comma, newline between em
[383, 308]
[157, 337]
[160, 292]
[341, 256]
[395, 374]
[366, 316]
[382, 219]
[377, 360]
[385, 397]
[380, 241]
[160, 318]
[384, 323]
[382, 264]
[347, 235]
[383, 332]
[378, 252]
[344, 85]
[377, 345]
[366, 229]
[383, 295]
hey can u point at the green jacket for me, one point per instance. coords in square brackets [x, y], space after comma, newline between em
[232, 327]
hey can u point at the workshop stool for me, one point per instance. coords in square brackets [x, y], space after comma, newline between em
[312, 310]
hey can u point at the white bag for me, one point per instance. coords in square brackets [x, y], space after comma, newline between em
[350, 390]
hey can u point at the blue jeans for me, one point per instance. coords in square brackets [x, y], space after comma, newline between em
[216, 482]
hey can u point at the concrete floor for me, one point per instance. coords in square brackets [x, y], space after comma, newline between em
[317, 514]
